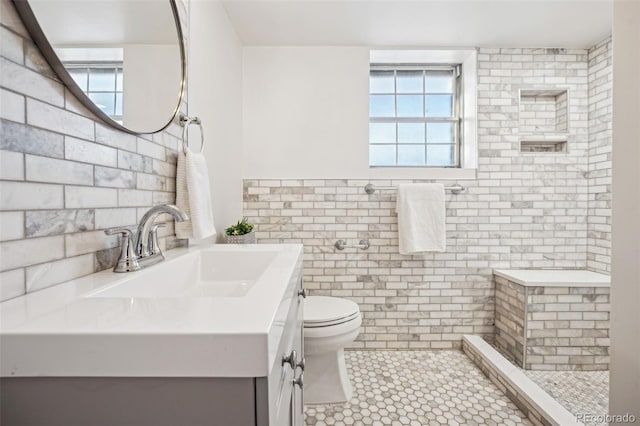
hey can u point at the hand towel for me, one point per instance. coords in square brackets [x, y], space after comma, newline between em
[193, 196]
[421, 218]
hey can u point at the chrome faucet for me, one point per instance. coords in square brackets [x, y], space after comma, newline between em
[146, 251]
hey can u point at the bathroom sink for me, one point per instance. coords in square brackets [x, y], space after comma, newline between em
[207, 311]
[204, 274]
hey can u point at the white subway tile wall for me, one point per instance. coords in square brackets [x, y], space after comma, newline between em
[47, 274]
[510, 320]
[553, 328]
[11, 165]
[19, 79]
[11, 106]
[12, 283]
[524, 210]
[89, 152]
[11, 226]
[65, 175]
[600, 110]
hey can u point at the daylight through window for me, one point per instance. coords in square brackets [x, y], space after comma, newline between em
[414, 115]
[103, 84]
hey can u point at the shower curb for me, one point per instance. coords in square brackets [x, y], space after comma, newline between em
[530, 398]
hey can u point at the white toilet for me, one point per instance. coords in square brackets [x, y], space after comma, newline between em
[330, 324]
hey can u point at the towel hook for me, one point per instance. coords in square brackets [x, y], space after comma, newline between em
[185, 122]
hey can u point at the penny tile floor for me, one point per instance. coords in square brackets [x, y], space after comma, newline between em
[417, 388]
[580, 392]
[585, 392]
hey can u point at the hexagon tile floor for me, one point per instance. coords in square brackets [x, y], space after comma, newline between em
[417, 388]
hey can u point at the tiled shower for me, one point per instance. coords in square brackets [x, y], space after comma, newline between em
[525, 210]
[542, 199]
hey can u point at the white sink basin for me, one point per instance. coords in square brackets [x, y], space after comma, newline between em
[204, 274]
[214, 311]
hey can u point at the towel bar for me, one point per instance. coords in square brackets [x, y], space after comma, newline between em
[185, 122]
[342, 244]
[370, 188]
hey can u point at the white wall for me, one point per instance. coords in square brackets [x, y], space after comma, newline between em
[306, 116]
[305, 111]
[625, 286]
[215, 95]
[151, 79]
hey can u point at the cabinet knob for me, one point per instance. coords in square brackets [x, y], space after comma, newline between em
[300, 380]
[302, 292]
[291, 359]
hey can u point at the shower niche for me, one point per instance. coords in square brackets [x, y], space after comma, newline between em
[544, 119]
[530, 145]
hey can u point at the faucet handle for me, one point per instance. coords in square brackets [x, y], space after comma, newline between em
[154, 244]
[116, 231]
[128, 260]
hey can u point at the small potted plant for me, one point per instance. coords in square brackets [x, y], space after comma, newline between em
[240, 233]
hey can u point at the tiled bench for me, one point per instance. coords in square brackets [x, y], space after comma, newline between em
[553, 319]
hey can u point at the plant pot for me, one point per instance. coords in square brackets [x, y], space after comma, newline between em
[249, 238]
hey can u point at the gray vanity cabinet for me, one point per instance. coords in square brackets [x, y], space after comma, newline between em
[275, 400]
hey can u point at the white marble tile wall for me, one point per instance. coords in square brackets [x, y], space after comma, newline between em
[65, 175]
[552, 328]
[600, 110]
[542, 112]
[524, 210]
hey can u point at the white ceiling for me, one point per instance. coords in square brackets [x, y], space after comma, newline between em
[97, 22]
[506, 23]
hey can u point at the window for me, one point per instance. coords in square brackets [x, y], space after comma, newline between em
[422, 109]
[414, 115]
[102, 82]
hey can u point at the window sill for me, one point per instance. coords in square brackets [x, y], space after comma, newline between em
[436, 173]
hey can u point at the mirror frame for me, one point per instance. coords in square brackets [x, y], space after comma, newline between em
[35, 30]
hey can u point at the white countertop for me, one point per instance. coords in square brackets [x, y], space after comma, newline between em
[554, 277]
[60, 331]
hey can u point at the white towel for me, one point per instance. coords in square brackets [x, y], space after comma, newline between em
[421, 218]
[193, 196]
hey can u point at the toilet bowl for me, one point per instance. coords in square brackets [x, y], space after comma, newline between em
[330, 324]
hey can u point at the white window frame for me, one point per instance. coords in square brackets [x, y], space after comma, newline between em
[468, 155]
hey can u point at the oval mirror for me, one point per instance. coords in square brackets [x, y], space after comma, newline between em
[123, 59]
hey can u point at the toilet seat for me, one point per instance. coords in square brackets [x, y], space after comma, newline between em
[330, 323]
[322, 311]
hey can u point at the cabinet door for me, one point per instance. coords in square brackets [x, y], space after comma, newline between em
[278, 397]
[297, 396]
[297, 393]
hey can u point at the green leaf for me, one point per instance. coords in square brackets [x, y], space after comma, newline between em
[241, 228]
